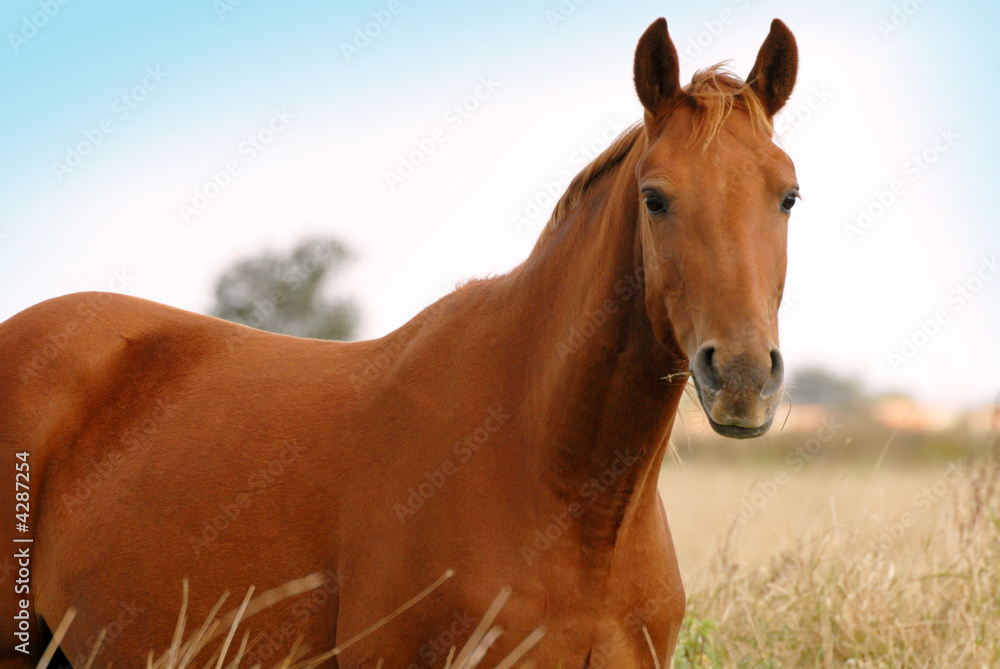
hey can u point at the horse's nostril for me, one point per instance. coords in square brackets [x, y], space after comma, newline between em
[704, 369]
[777, 364]
[777, 376]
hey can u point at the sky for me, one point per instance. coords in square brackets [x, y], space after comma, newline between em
[147, 146]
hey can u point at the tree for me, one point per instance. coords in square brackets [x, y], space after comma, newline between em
[818, 386]
[283, 293]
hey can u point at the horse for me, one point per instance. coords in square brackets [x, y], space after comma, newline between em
[511, 434]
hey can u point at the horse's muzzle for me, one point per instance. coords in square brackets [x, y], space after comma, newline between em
[739, 392]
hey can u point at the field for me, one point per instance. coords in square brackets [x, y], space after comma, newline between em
[798, 556]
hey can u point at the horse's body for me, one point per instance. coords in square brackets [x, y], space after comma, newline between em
[513, 432]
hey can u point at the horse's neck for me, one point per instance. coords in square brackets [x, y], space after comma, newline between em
[596, 395]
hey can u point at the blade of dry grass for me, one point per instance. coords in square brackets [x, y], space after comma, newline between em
[652, 648]
[885, 449]
[316, 661]
[522, 648]
[57, 637]
[290, 657]
[480, 650]
[232, 628]
[95, 649]
[179, 629]
[273, 596]
[239, 653]
[480, 630]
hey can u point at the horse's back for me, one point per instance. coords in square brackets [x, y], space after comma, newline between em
[177, 441]
[72, 364]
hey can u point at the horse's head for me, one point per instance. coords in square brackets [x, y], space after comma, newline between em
[715, 194]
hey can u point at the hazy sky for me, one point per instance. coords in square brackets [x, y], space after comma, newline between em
[146, 147]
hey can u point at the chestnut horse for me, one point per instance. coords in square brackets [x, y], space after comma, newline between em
[513, 431]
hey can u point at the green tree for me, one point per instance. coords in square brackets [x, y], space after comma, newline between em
[284, 293]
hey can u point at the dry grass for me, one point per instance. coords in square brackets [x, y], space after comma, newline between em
[186, 650]
[917, 587]
[702, 499]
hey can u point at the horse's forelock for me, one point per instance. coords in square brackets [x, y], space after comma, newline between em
[714, 93]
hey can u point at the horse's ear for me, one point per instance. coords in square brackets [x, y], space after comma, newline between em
[773, 75]
[657, 74]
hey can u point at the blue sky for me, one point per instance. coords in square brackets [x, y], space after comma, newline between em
[868, 100]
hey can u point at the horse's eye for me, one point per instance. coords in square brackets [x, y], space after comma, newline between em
[654, 204]
[789, 202]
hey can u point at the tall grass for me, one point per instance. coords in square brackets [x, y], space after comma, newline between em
[186, 650]
[843, 599]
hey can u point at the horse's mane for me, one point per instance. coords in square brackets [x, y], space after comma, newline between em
[713, 94]
[597, 168]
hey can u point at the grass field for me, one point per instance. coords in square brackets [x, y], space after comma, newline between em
[708, 502]
[832, 562]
